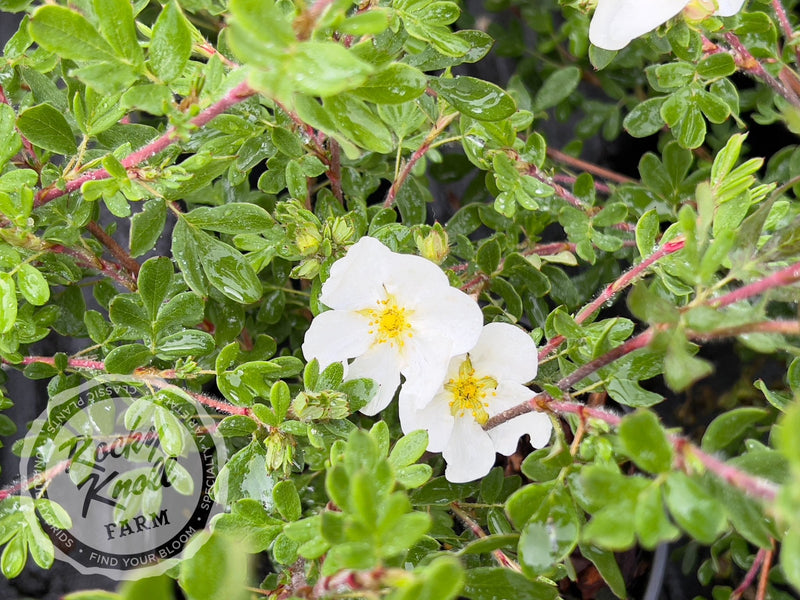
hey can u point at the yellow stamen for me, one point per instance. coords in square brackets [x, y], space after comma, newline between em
[469, 392]
[389, 322]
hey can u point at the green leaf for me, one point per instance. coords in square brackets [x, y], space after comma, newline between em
[227, 270]
[250, 524]
[357, 121]
[408, 449]
[124, 359]
[171, 44]
[155, 278]
[717, 65]
[325, 69]
[493, 583]
[790, 556]
[68, 34]
[188, 342]
[394, 84]
[287, 500]
[488, 258]
[8, 302]
[607, 566]
[239, 217]
[14, 556]
[10, 141]
[645, 119]
[630, 393]
[549, 536]
[557, 87]
[475, 98]
[188, 255]
[731, 427]
[691, 129]
[652, 524]
[726, 158]
[47, 128]
[147, 226]
[118, 28]
[645, 441]
[245, 476]
[697, 512]
[32, 284]
[215, 570]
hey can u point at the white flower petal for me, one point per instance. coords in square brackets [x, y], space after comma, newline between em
[505, 352]
[379, 363]
[470, 452]
[435, 418]
[454, 316]
[336, 335]
[426, 359]
[616, 22]
[506, 436]
[357, 280]
[415, 281]
[729, 8]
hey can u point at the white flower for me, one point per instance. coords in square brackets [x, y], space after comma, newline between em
[480, 384]
[395, 314]
[617, 22]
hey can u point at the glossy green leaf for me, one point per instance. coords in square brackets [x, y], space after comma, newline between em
[147, 226]
[287, 500]
[250, 524]
[645, 119]
[653, 527]
[8, 302]
[557, 87]
[14, 556]
[240, 217]
[645, 441]
[155, 277]
[69, 34]
[729, 428]
[32, 284]
[227, 270]
[475, 98]
[171, 44]
[357, 121]
[124, 359]
[116, 24]
[394, 84]
[189, 342]
[47, 128]
[492, 583]
[215, 570]
[697, 512]
[408, 449]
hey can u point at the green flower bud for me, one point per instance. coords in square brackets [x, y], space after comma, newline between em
[435, 246]
[308, 238]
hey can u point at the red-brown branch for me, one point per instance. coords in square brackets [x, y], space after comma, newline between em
[236, 95]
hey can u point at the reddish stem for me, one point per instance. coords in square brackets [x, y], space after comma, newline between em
[635, 343]
[90, 261]
[499, 555]
[754, 486]
[236, 95]
[562, 157]
[749, 64]
[788, 31]
[43, 476]
[440, 126]
[75, 363]
[750, 577]
[781, 278]
[610, 291]
[116, 250]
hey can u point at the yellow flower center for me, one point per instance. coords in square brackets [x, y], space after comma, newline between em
[469, 392]
[389, 322]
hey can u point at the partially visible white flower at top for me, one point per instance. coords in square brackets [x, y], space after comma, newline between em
[394, 314]
[616, 23]
[478, 385]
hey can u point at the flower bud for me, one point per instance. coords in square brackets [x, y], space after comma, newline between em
[308, 237]
[435, 246]
[342, 231]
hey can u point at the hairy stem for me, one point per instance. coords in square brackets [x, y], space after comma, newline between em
[607, 174]
[499, 555]
[784, 277]
[437, 130]
[611, 290]
[236, 95]
[786, 26]
[750, 65]
[116, 250]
